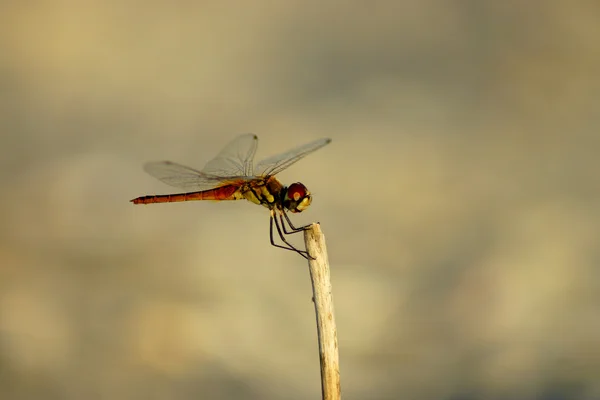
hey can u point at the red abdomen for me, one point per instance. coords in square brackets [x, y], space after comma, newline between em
[221, 193]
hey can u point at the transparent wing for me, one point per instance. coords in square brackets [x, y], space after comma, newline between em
[235, 161]
[182, 177]
[275, 164]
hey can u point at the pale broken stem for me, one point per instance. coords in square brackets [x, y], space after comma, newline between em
[323, 299]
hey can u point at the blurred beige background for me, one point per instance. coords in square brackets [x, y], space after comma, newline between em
[459, 198]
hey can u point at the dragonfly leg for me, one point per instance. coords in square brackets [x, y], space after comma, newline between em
[289, 246]
[289, 221]
[293, 229]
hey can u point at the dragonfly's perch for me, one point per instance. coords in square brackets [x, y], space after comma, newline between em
[323, 299]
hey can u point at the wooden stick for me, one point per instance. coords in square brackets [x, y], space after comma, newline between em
[323, 299]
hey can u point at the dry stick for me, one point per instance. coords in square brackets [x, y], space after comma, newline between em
[322, 297]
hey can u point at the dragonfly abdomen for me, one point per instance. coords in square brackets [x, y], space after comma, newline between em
[228, 192]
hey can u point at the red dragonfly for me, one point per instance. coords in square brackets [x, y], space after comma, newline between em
[232, 175]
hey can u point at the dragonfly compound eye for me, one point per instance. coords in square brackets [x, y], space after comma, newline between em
[297, 198]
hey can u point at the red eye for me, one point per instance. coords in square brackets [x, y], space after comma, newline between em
[296, 191]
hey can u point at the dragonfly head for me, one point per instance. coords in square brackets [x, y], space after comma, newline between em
[296, 198]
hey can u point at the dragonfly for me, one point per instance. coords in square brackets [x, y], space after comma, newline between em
[232, 175]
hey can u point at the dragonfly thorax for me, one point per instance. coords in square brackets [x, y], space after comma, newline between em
[265, 192]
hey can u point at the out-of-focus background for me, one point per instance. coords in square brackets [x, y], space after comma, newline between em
[460, 198]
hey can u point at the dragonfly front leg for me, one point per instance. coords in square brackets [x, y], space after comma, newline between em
[289, 246]
[293, 228]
